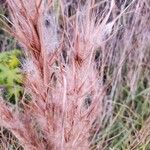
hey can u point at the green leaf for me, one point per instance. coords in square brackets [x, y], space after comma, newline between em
[11, 77]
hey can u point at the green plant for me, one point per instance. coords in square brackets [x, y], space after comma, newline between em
[10, 75]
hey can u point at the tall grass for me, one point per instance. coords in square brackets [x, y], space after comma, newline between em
[82, 57]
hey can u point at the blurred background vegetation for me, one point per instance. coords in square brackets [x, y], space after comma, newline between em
[11, 87]
[10, 62]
